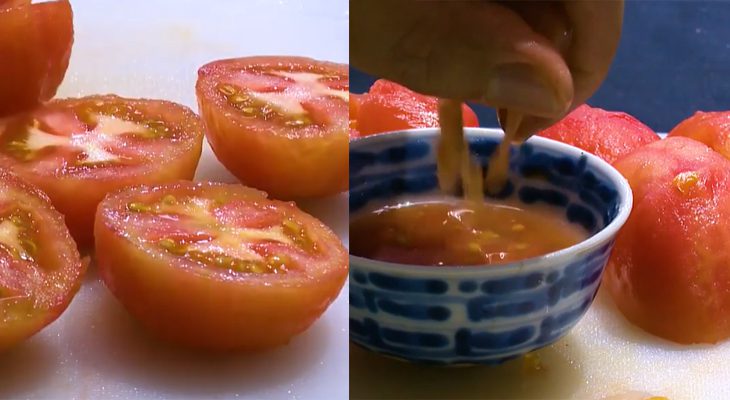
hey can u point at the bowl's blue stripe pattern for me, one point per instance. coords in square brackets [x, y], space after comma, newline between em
[543, 176]
[498, 314]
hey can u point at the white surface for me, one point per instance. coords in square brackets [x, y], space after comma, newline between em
[603, 356]
[153, 49]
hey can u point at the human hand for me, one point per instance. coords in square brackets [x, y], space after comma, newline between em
[538, 58]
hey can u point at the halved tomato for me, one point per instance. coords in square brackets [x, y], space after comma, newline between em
[35, 47]
[217, 266]
[78, 150]
[389, 106]
[279, 123]
[40, 267]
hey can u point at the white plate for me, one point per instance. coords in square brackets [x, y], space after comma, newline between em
[153, 49]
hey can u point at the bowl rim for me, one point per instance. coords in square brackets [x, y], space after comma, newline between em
[558, 257]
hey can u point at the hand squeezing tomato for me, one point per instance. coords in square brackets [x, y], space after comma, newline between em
[217, 266]
[279, 123]
[78, 150]
[40, 267]
[35, 47]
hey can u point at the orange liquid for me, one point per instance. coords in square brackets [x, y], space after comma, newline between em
[460, 233]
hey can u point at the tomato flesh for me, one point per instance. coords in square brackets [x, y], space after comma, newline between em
[217, 266]
[40, 267]
[77, 150]
[35, 48]
[607, 134]
[278, 123]
[669, 272]
[389, 106]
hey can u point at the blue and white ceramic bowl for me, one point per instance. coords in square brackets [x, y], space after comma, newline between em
[481, 314]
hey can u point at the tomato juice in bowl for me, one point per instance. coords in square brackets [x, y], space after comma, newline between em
[479, 312]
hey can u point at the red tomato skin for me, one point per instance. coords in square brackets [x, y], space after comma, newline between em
[669, 272]
[194, 308]
[285, 165]
[711, 128]
[77, 197]
[35, 49]
[67, 264]
[389, 106]
[355, 100]
[607, 134]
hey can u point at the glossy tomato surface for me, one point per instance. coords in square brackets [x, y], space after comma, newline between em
[279, 124]
[217, 266]
[40, 267]
[669, 272]
[389, 106]
[78, 150]
[355, 100]
[607, 134]
[711, 128]
[35, 48]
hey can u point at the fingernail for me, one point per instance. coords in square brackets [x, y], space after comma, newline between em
[519, 87]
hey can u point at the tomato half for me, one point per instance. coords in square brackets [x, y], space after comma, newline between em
[40, 267]
[217, 266]
[279, 123]
[669, 271]
[389, 106]
[77, 150]
[710, 128]
[35, 48]
[607, 134]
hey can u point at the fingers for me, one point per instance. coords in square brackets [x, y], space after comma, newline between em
[589, 48]
[596, 32]
[478, 51]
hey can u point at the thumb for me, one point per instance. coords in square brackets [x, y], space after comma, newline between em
[479, 51]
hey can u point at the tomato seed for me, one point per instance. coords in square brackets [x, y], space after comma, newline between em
[227, 90]
[237, 98]
[169, 200]
[138, 207]
[686, 180]
[29, 246]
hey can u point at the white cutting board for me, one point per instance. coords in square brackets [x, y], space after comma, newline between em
[153, 49]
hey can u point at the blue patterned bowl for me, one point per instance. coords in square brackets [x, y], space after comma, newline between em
[481, 314]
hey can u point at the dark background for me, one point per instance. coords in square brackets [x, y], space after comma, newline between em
[674, 59]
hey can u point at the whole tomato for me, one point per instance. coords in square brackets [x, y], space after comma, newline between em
[669, 272]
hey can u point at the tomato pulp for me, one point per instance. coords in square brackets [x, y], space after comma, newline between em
[77, 150]
[279, 124]
[40, 267]
[217, 266]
